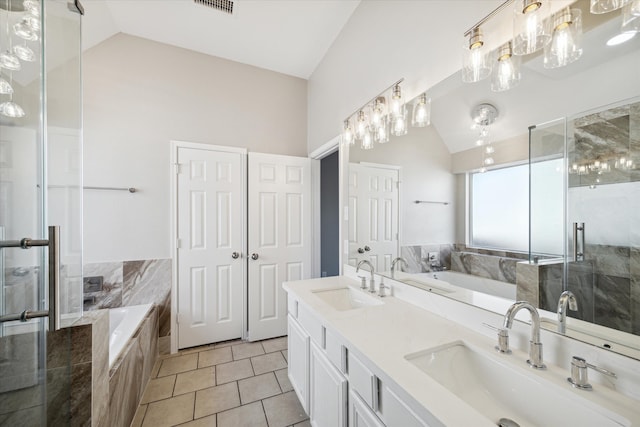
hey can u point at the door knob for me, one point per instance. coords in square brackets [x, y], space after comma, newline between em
[235, 255]
[360, 250]
[367, 248]
[254, 256]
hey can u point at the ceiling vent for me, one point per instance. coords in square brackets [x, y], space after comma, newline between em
[225, 6]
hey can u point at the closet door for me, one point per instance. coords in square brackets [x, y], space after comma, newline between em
[210, 227]
[279, 229]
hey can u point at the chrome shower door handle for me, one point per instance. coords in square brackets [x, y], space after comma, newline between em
[578, 249]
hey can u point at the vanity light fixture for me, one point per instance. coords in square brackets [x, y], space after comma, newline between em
[396, 104]
[605, 6]
[381, 132]
[367, 139]
[361, 125]
[530, 26]
[566, 40]
[630, 24]
[507, 73]
[421, 112]
[347, 133]
[399, 123]
[476, 64]
[378, 111]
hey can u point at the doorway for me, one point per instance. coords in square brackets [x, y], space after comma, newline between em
[329, 216]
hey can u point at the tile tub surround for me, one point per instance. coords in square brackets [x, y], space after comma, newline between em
[232, 383]
[128, 283]
[500, 268]
[417, 257]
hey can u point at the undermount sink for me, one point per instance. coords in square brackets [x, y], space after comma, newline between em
[499, 391]
[346, 298]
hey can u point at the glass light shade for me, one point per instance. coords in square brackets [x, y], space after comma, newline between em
[634, 8]
[421, 116]
[9, 61]
[399, 123]
[367, 140]
[476, 58]
[24, 52]
[378, 111]
[631, 18]
[506, 74]
[361, 125]
[24, 31]
[347, 133]
[381, 132]
[396, 103]
[32, 6]
[566, 40]
[531, 29]
[5, 87]
[604, 6]
[11, 109]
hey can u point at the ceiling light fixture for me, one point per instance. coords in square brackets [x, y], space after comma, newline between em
[566, 40]
[507, 73]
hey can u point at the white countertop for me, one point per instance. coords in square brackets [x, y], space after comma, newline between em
[384, 334]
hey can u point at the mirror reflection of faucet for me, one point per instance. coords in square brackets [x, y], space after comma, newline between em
[567, 298]
[393, 265]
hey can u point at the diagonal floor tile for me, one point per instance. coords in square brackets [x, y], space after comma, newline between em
[251, 415]
[158, 389]
[233, 371]
[275, 344]
[242, 351]
[216, 399]
[195, 380]
[283, 410]
[215, 357]
[174, 365]
[283, 379]
[268, 362]
[257, 388]
[169, 412]
[209, 421]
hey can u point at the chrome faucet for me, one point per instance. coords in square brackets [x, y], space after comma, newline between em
[566, 298]
[393, 265]
[372, 282]
[535, 346]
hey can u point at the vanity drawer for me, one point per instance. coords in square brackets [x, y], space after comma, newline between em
[312, 325]
[334, 350]
[362, 380]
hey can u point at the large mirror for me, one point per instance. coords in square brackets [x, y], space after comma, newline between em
[461, 211]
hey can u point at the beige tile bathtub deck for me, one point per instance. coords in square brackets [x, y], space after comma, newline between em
[230, 384]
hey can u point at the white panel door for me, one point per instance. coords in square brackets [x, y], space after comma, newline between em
[373, 214]
[210, 194]
[279, 238]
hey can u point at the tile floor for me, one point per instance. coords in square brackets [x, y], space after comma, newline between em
[228, 384]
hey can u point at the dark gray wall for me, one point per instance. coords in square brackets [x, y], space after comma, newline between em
[329, 216]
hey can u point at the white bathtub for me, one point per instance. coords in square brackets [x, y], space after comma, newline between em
[474, 283]
[123, 323]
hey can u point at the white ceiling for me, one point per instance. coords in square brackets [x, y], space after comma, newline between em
[286, 36]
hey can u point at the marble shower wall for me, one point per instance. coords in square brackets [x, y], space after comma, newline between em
[417, 257]
[127, 283]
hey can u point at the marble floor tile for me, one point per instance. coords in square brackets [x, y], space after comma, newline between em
[209, 421]
[233, 371]
[139, 416]
[268, 362]
[258, 387]
[275, 344]
[244, 416]
[215, 357]
[170, 412]
[284, 410]
[195, 380]
[174, 365]
[158, 389]
[242, 351]
[216, 399]
[283, 379]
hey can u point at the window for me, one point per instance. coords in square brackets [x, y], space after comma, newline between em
[499, 215]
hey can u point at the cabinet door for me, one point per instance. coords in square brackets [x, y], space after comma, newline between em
[395, 412]
[360, 415]
[298, 358]
[328, 394]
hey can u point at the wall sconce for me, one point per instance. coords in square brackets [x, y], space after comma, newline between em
[476, 64]
[421, 112]
[566, 40]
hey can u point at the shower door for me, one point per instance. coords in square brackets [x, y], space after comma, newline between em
[40, 185]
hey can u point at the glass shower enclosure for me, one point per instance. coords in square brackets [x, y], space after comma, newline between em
[40, 187]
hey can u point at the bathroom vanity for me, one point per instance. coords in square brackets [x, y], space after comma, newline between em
[416, 358]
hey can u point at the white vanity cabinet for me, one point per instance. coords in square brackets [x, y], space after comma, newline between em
[360, 415]
[298, 359]
[328, 391]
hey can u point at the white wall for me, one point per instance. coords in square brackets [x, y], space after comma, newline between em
[381, 43]
[138, 96]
